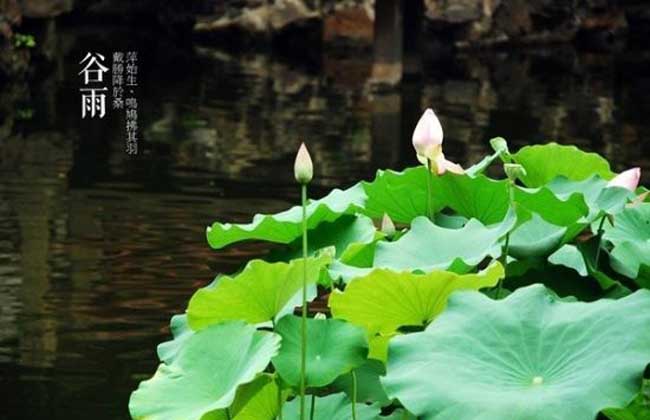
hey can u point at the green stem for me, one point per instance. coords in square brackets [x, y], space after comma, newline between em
[600, 239]
[354, 395]
[506, 247]
[313, 407]
[228, 414]
[303, 352]
[429, 175]
[279, 395]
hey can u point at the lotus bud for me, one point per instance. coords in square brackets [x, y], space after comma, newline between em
[387, 225]
[303, 169]
[514, 171]
[628, 179]
[427, 136]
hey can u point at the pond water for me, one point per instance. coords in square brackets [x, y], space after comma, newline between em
[98, 249]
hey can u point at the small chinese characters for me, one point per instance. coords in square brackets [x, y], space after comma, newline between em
[118, 80]
[93, 97]
[131, 103]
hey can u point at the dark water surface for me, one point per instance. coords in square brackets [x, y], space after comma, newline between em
[98, 249]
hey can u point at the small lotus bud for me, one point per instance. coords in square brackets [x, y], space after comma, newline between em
[427, 136]
[303, 169]
[514, 171]
[387, 225]
[628, 179]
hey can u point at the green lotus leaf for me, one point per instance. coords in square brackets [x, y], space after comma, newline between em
[262, 292]
[181, 331]
[331, 407]
[257, 400]
[233, 352]
[543, 163]
[597, 195]
[402, 195]
[535, 238]
[368, 387]
[632, 259]
[529, 356]
[571, 257]
[286, 227]
[383, 301]
[631, 225]
[427, 247]
[347, 235]
[569, 211]
[334, 347]
[639, 409]
[630, 238]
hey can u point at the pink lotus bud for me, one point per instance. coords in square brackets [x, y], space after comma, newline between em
[628, 179]
[303, 169]
[427, 136]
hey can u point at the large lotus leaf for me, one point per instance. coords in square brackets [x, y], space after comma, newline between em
[233, 353]
[535, 238]
[383, 301]
[286, 227]
[260, 293]
[529, 356]
[402, 195]
[181, 331]
[427, 247]
[334, 347]
[331, 407]
[257, 400]
[543, 163]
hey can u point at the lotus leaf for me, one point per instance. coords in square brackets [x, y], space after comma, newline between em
[528, 356]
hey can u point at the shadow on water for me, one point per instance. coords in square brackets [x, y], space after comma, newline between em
[99, 249]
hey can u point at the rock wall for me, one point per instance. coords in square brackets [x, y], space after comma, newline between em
[463, 22]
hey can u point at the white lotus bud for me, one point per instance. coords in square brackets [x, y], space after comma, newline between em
[303, 169]
[427, 136]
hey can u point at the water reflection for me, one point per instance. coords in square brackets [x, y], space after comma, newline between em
[98, 250]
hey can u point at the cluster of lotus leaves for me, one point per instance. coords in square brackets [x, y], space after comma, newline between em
[491, 300]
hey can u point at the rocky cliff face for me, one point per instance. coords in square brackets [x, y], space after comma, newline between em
[463, 22]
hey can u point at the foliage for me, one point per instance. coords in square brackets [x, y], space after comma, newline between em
[493, 298]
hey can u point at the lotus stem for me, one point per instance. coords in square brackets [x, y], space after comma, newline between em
[599, 234]
[228, 414]
[354, 395]
[303, 352]
[429, 175]
[504, 255]
[313, 407]
[280, 402]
